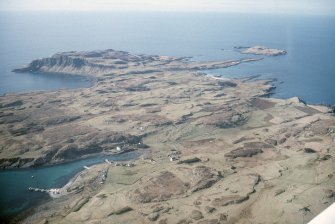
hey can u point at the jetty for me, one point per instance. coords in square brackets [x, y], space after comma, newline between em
[50, 191]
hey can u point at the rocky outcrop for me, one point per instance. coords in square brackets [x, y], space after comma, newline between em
[25, 129]
[203, 177]
[224, 119]
[46, 158]
[261, 50]
[16, 162]
[226, 84]
[167, 185]
[249, 149]
[61, 120]
[229, 200]
[121, 211]
[162, 187]
[240, 152]
[95, 143]
[15, 103]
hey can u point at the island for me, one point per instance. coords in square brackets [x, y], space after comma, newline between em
[215, 150]
[260, 50]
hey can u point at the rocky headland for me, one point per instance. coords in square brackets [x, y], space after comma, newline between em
[111, 62]
[217, 151]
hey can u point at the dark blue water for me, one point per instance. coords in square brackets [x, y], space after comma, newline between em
[14, 184]
[307, 71]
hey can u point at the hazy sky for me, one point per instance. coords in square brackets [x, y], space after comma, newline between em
[268, 6]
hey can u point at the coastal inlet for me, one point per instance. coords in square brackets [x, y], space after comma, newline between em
[18, 186]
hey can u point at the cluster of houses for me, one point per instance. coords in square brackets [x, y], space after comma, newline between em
[103, 176]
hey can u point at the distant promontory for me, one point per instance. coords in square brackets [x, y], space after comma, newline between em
[260, 50]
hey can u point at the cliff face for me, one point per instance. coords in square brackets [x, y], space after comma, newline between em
[64, 64]
[59, 60]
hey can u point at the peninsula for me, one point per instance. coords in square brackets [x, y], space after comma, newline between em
[216, 150]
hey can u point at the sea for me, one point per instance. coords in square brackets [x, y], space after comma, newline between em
[307, 71]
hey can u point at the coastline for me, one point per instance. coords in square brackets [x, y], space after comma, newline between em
[204, 134]
[45, 195]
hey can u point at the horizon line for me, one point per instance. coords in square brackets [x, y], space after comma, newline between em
[276, 12]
